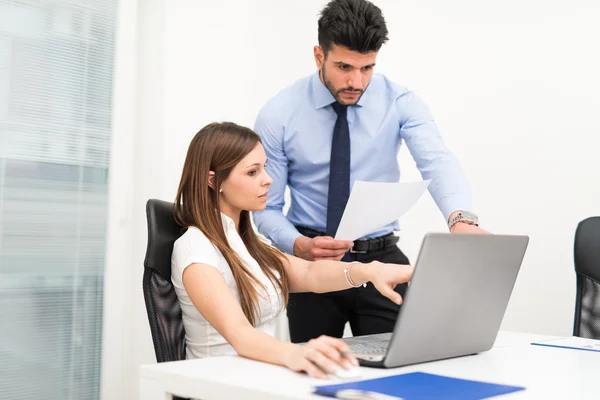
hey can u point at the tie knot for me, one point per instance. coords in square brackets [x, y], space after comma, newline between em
[340, 109]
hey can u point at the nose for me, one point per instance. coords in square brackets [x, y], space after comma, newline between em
[267, 179]
[355, 79]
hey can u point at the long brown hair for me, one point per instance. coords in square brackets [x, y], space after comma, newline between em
[219, 147]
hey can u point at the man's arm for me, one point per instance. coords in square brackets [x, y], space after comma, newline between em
[271, 222]
[449, 186]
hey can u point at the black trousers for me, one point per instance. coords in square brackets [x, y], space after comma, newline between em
[311, 315]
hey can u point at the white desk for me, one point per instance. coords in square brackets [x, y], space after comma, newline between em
[545, 372]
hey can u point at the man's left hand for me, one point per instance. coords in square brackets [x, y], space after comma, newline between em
[462, 227]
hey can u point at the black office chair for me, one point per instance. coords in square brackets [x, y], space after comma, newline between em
[162, 305]
[587, 268]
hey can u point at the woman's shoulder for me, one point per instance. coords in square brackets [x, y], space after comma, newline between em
[193, 246]
[191, 234]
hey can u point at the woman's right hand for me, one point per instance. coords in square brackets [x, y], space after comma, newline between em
[320, 357]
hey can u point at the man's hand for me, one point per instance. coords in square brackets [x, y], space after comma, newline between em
[321, 248]
[461, 227]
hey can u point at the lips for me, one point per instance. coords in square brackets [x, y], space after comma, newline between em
[263, 195]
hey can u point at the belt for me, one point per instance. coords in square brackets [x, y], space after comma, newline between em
[360, 245]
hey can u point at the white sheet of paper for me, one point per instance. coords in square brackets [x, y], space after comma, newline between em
[573, 342]
[372, 205]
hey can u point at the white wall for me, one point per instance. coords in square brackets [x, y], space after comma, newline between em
[513, 86]
[119, 274]
[136, 161]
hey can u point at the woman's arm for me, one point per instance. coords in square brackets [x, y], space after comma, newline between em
[214, 300]
[328, 276]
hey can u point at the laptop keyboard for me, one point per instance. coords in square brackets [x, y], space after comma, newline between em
[374, 348]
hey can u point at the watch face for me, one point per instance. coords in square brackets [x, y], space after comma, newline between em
[470, 216]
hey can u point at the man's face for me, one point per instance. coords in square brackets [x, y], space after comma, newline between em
[346, 73]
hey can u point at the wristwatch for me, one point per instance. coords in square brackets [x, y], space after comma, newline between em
[464, 216]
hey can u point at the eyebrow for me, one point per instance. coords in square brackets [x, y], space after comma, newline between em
[256, 164]
[349, 65]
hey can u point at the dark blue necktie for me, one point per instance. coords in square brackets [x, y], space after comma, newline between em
[339, 170]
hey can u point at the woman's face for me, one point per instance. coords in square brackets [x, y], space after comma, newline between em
[247, 186]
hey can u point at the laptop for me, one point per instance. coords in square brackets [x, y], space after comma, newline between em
[454, 304]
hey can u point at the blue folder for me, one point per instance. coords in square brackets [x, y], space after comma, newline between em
[417, 386]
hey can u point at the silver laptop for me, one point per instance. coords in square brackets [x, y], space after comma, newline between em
[454, 304]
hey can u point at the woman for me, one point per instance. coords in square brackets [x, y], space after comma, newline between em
[230, 282]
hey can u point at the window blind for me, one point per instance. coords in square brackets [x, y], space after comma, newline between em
[56, 78]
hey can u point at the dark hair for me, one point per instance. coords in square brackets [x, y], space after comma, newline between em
[219, 147]
[355, 24]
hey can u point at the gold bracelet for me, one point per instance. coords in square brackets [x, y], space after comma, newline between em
[349, 278]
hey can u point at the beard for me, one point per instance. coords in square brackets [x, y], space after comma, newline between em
[336, 92]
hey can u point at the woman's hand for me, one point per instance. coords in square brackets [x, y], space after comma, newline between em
[320, 357]
[385, 277]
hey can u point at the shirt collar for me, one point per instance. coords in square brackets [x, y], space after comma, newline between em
[322, 97]
[228, 223]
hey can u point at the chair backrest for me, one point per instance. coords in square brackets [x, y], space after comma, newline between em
[587, 267]
[162, 305]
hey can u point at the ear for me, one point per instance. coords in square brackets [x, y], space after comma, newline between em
[211, 179]
[319, 57]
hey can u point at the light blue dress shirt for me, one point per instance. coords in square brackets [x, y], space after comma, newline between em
[296, 127]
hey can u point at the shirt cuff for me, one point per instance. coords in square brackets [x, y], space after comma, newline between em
[455, 203]
[287, 239]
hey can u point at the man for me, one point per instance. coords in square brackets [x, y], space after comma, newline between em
[341, 124]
